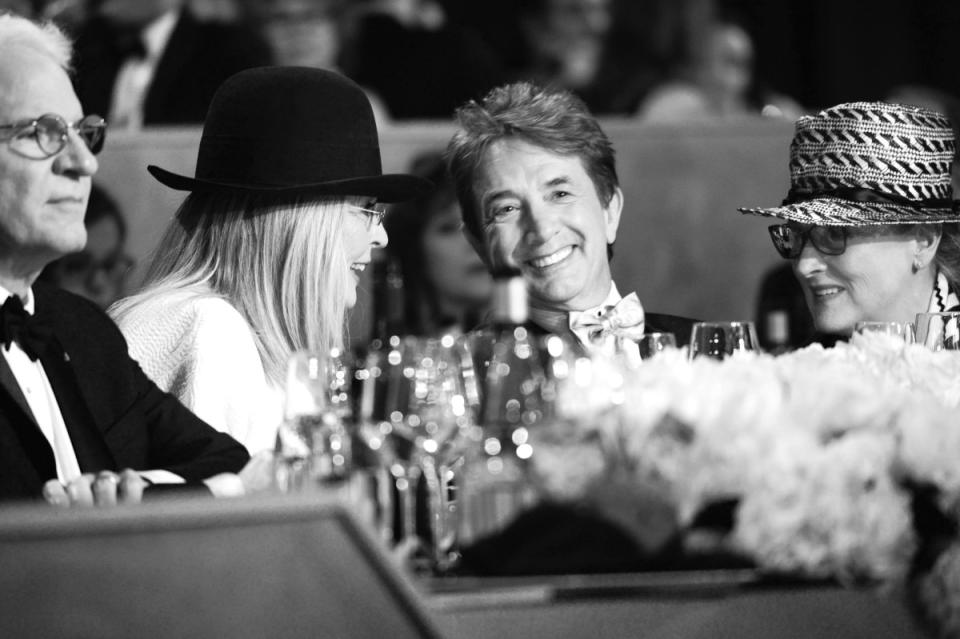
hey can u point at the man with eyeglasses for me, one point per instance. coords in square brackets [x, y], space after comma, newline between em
[79, 421]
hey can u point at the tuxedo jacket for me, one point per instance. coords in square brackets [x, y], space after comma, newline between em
[199, 56]
[116, 417]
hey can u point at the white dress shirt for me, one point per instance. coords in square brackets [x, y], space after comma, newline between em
[36, 389]
[38, 392]
[136, 74]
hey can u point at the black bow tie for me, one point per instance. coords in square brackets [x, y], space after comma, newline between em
[17, 325]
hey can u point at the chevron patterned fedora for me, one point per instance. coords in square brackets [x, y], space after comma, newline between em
[869, 163]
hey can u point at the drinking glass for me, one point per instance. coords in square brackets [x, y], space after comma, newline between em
[719, 340]
[417, 401]
[313, 441]
[653, 343]
[939, 331]
[900, 330]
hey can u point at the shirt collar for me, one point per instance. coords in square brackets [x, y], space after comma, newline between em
[613, 296]
[28, 304]
[556, 321]
[943, 297]
[157, 34]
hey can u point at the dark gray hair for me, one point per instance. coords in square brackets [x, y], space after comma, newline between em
[553, 119]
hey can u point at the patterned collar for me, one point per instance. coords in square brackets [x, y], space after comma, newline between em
[943, 298]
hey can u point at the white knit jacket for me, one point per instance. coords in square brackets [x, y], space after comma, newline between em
[201, 349]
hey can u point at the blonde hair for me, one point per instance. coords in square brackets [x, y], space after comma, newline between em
[279, 261]
[45, 38]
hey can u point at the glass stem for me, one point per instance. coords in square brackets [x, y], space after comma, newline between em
[406, 482]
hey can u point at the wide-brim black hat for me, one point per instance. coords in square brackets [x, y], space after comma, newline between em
[292, 130]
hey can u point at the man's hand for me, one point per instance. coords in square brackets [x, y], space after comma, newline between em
[106, 488]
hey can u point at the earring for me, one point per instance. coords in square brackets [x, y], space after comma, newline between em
[917, 264]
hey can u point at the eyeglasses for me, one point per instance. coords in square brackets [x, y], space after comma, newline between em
[50, 132]
[789, 240]
[374, 216]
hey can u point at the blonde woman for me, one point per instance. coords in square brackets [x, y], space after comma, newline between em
[264, 255]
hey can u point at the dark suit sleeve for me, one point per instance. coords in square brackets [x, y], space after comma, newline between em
[181, 442]
[143, 427]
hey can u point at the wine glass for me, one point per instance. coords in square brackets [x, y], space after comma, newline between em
[441, 407]
[417, 401]
[939, 331]
[719, 340]
[313, 441]
[900, 330]
[653, 343]
[378, 383]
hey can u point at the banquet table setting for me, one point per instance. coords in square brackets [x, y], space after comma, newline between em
[506, 484]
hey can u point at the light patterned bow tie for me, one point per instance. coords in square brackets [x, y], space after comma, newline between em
[623, 320]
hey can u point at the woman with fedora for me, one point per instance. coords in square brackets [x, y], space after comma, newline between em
[263, 257]
[871, 224]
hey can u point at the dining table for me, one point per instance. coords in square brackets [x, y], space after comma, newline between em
[677, 605]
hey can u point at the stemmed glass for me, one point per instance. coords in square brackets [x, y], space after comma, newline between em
[939, 331]
[313, 441]
[417, 401]
[719, 340]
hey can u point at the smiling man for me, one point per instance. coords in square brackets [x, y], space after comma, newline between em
[537, 184]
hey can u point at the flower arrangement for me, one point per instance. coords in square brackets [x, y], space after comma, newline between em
[821, 449]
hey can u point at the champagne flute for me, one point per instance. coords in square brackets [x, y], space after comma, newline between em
[939, 331]
[719, 340]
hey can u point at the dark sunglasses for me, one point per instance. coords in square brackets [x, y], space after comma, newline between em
[50, 132]
[789, 239]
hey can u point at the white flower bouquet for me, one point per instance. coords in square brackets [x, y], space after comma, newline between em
[820, 449]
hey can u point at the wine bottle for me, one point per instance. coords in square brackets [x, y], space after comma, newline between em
[495, 487]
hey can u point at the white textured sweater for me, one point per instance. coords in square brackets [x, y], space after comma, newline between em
[201, 349]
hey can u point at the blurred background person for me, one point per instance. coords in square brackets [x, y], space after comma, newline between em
[304, 33]
[565, 40]
[418, 61]
[98, 272]
[717, 81]
[153, 62]
[445, 283]
[307, 33]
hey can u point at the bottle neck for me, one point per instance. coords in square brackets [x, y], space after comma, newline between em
[509, 301]
[389, 303]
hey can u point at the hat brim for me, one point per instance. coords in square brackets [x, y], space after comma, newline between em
[386, 188]
[831, 211]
